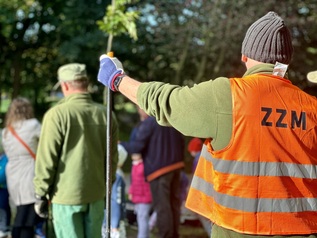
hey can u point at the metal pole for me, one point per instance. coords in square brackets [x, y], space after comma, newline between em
[108, 163]
[109, 157]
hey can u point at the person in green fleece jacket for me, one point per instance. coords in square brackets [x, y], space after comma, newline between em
[258, 128]
[70, 163]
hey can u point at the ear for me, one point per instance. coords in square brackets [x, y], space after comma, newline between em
[64, 86]
[244, 58]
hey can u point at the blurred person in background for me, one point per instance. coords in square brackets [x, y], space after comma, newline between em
[139, 190]
[5, 210]
[20, 139]
[118, 201]
[162, 151]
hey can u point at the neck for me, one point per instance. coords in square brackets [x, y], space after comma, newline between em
[70, 92]
[249, 63]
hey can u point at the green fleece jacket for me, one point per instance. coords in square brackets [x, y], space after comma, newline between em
[70, 161]
[204, 110]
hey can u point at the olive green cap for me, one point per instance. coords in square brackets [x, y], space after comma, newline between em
[70, 72]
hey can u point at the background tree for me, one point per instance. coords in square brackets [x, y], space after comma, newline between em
[38, 36]
[179, 41]
[187, 42]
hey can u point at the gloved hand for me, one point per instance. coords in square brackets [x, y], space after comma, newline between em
[41, 206]
[109, 70]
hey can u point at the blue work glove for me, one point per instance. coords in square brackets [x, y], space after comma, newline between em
[110, 68]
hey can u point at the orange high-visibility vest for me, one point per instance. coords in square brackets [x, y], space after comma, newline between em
[265, 181]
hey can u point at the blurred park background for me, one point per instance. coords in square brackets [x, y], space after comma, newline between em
[176, 41]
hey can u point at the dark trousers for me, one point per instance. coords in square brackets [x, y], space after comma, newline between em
[22, 232]
[166, 202]
[4, 204]
[25, 221]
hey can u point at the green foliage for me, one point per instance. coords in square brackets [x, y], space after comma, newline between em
[187, 42]
[118, 21]
[180, 42]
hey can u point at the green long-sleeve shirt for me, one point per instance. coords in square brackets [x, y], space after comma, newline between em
[70, 164]
[204, 110]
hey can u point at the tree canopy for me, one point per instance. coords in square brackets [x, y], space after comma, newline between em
[180, 41]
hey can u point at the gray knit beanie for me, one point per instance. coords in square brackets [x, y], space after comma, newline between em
[268, 40]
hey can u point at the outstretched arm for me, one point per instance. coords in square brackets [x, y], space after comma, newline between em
[129, 87]
[198, 111]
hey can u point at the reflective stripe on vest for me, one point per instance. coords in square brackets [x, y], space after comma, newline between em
[265, 181]
[263, 168]
[251, 204]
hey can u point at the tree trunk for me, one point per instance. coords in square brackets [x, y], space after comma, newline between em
[16, 74]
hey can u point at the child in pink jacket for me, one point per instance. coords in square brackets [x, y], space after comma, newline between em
[140, 195]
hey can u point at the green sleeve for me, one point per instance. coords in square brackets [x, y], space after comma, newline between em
[204, 110]
[47, 156]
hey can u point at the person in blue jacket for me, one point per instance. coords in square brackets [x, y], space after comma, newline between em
[5, 211]
[118, 201]
[162, 150]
